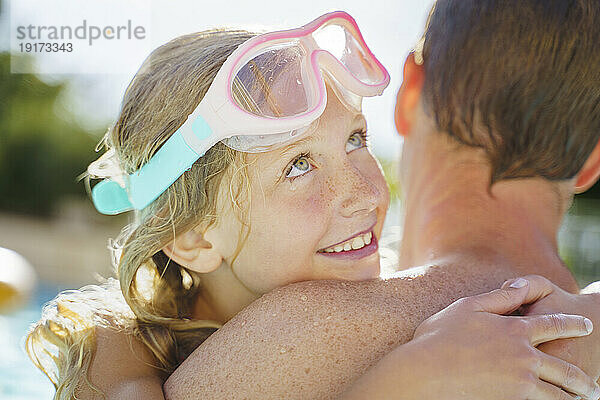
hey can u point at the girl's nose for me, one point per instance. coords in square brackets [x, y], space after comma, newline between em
[361, 196]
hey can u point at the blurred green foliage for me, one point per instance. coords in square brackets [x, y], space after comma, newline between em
[42, 148]
[591, 193]
[390, 171]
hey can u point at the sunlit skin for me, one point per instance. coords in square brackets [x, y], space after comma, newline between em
[313, 194]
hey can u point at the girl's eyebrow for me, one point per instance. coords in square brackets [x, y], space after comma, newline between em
[359, 118]
[292, 146]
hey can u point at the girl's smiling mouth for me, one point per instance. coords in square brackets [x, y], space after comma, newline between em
[360, 245]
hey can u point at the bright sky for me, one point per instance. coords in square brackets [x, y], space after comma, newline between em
[390, 28]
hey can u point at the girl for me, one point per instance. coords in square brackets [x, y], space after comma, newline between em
[214, 228]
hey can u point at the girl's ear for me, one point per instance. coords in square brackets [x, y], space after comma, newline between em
[408, 95]
[589, 174]
[192, 251]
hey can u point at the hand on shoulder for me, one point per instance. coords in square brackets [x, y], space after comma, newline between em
[583, 352]
[471, 349]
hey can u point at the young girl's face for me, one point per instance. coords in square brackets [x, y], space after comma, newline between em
[308, 200]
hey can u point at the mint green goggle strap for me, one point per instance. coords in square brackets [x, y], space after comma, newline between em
[176, 156]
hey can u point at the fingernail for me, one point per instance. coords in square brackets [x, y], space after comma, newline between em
[519, 283]
[589, 326]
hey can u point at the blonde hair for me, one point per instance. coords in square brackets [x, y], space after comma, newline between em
[156, 296]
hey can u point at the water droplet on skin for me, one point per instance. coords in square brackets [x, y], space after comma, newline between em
[316, 323]
[243, 323]
[303, 297]
[274, 315]
[282, 350]
[305, 309]
[328, 317]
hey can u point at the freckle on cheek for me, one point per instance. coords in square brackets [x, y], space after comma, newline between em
[323, 198]
[329, 188]
[315, 204]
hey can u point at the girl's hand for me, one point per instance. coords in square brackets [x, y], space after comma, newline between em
[583, 352]
[470, 350]
[476, 352]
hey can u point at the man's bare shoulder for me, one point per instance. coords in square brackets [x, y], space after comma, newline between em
[284, 341]
[311, 339]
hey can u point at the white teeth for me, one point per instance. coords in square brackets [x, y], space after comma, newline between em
[358, 243]
[354, 244]
[367, 237]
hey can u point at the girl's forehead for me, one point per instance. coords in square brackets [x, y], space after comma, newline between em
[337, 114]
[328, 126]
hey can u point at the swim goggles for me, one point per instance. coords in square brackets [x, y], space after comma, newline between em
[266, 94]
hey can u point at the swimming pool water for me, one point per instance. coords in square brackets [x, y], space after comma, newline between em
[19, 378]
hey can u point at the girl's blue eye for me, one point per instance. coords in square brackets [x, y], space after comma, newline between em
[300, 166]
[356, 141]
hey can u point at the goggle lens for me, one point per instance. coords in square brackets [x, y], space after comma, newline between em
[342, 44]
[271, 83]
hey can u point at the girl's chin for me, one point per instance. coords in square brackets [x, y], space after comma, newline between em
[366, 269]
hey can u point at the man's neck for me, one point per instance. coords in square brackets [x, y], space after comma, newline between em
[453, 212]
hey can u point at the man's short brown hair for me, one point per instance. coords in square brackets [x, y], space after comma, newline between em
[518, 78]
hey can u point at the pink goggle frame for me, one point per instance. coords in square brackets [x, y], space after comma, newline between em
[273, 86]
[267, 93]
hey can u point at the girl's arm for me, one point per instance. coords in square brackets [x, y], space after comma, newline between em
[312, 339]
[84, 343]
[121, 369]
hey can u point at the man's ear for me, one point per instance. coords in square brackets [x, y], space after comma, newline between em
[192, 251]
[409, 95]
[589, 174]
